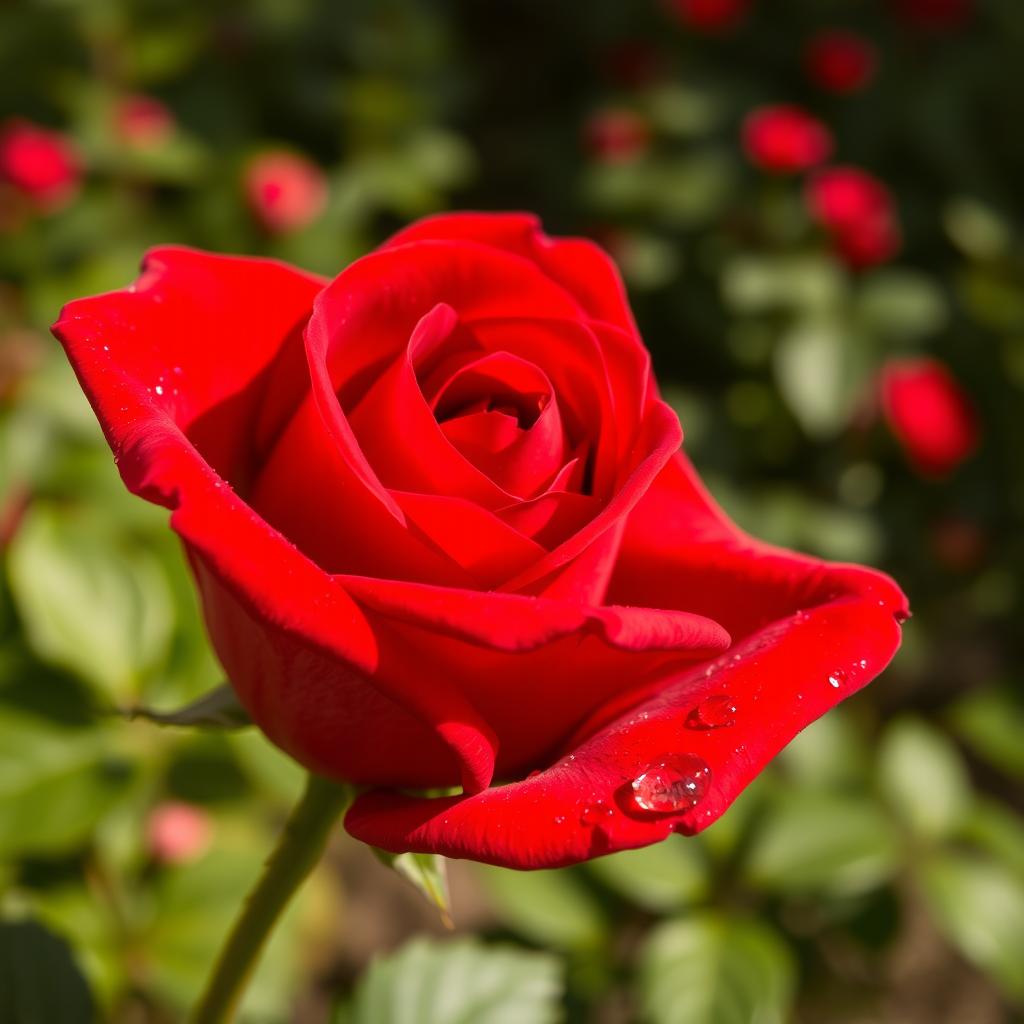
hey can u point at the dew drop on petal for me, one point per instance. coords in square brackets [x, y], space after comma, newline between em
[836, 678]
[595, 813]
[559, 819]
[159, 389]
[675, 784]
[715, 712]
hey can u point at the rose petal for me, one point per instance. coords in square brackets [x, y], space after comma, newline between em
[809, 635]
[306, 667]
[512, 655]
[581, 267]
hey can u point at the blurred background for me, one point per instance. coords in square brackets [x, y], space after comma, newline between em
[817, 208]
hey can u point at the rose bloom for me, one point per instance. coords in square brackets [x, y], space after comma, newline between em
[143, 122]
[284, 190]
[444, 536]
[929, 413]
[936, 15]
[840, 61]
[616, 135]
[41, 164]
[857, 211]
[711, 15]
[178, 833]
[784, 139]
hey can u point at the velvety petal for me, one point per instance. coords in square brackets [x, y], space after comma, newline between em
[300, 653]
[512, 655]
[659, 439]
[580, 266]
[570, 355]
[585, 804]
[806, 635]
[397, 434]
[478, 541]
[227, 367]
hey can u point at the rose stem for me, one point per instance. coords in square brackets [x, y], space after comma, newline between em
[299, 848]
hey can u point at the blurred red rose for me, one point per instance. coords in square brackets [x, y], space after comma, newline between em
[41, 164]
[444, 535]
[840, 61]
[143, 122]
[784, 139]
[929, 413]
[959, 544]
[938, 15]
[616, 135]
[285, 190]
[711, 15]
[857, 211]
[177, 833]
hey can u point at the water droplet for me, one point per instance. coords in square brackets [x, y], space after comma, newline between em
[863, 663]
[836, 678]
[901, 616]
[106, 348]
[159, 389]
[715, 712]
[595, 813]
[559, 819]
[676, 784]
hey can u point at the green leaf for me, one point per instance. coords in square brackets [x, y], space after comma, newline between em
[901, 304]
[552, 908]
[87, 603]
[810, 841]
[662, 877]
[992, 722]
[710, 969]
[924, 777]
[55, 783]
[428, 872]
[193, 908]
[218, 709]
[459, 982]
[979, 905]
[39, 981]
[819, 366]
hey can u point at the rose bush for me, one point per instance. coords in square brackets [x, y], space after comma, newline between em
[444, 536]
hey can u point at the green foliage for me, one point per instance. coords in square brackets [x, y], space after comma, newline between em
[712, 969]
[455, 983]
[893, 821]
[39, 981]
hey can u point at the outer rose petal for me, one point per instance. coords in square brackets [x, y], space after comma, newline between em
[580, 266]
[812, 634]
[296, 647]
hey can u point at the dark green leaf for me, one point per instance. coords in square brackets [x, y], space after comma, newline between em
[459, 982]
[39, 981]
[710, 969]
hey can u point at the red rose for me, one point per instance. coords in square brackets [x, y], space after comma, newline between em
[143, 122]
[936, 15]
[285, 191]
[711, 15]
[616, 135]
[930, 414]
[443, 534]
[785, 139]
[840, 61]
[39, 163]
[856, 209]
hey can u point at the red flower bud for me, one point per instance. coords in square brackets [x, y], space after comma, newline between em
[840, 61]
[785, 139]
[39, 163]
[285, 191]
[929, 413]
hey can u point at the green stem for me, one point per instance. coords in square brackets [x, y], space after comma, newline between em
[298, 850]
